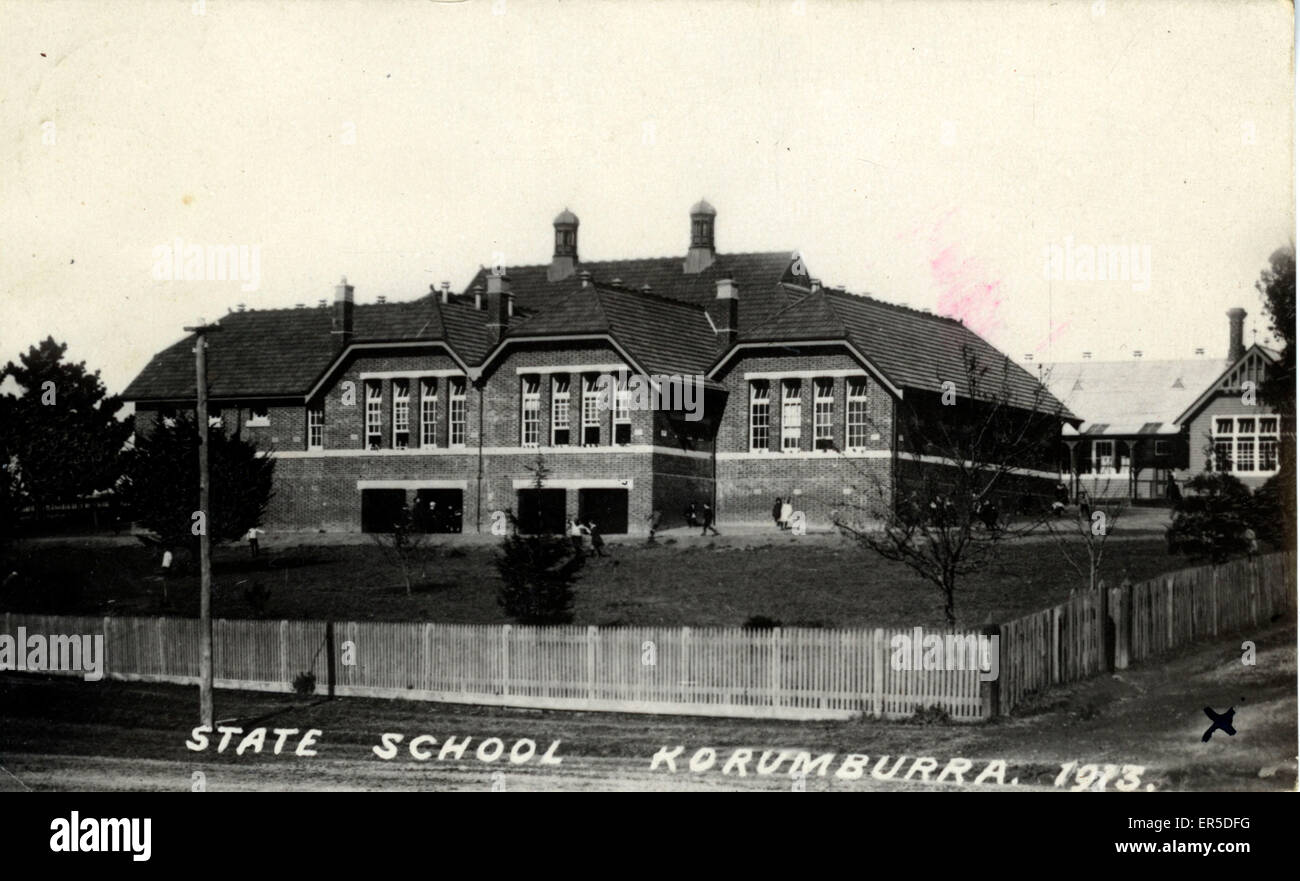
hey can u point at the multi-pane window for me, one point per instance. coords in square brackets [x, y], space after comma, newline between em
[1222, 445]
[791, 415]
[560, 411]
[374, 414]
[823, 413]
[428, 413]
[401, 413]
[760, 415]
[531, 410]
[1268, 443]
[1246, 444]
[214, 417]
[856, 426]
[622, 412]
[316, 427]
[259, 416]
[1162, 448]
[456, 411]
[1103, 456]
[590, 410]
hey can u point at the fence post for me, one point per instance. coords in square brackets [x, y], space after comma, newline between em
[1120, 623]
[107, 654]
[1169, 613]
[1105, 631]
[878, 672]
[1055, 643]
[990, 695]
[1214, 601]
[776, 666]
[284, 653]
[162, 647]
[139, 645]
[505, 658]
[685, 663]
[591, 662]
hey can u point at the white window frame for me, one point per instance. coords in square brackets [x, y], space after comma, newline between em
[823, 413]
[214, 417]
[316, 427]
[590, 407]
[857, 417]
[1245, 440]
[457, 407]
[560, 412]
[791, 415]
[622, 410]
[760, 416]
[259, 421]
[428, 412]
[401, 413]
[1104, 464]
[530, 410]
[373, 439]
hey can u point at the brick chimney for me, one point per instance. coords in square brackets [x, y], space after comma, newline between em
[701, 254]
[343, 307]
[1236, 324]
[728, 311]
[499, 305]
[565, 260]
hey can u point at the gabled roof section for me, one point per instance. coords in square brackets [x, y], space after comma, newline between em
[810, 317]
[1250, 367]
[758, 276]
[1130, 397]
[662, 335]
[282, 353]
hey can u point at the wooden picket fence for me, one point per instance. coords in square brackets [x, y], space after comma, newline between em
[779, 673]
[796, 673]
[1093, 633]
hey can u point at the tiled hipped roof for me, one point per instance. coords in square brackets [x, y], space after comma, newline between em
[669, 328]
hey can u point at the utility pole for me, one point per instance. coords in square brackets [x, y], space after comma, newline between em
[205, 546]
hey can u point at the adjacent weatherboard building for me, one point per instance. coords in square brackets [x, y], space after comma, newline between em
[444, 403]
[1152, 423]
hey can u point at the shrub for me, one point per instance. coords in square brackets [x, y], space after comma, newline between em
[537, 577]
[305, 683]
[1211, 518]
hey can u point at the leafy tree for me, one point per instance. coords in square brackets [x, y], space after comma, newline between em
[946, 519]
[1211, 519]
[1274, 508]
[160, 485]
[537, 571]
[1277, 285]
[60, 438]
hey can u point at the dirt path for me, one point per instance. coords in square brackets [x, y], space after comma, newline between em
[66, 735]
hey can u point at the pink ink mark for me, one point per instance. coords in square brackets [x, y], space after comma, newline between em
[964, 292]
[1051, 337]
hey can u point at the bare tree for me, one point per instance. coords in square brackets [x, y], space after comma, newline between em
[960, 489]
[1087, 532]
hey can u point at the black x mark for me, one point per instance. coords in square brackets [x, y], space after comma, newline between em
[1223, 722]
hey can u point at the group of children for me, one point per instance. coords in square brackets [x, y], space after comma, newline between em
[577, 530]
[782, 513]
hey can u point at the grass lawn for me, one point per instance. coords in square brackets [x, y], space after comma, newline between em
[811, 581]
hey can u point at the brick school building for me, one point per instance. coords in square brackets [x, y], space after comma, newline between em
[763, 383]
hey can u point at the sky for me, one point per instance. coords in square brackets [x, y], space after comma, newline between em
[937, 154]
